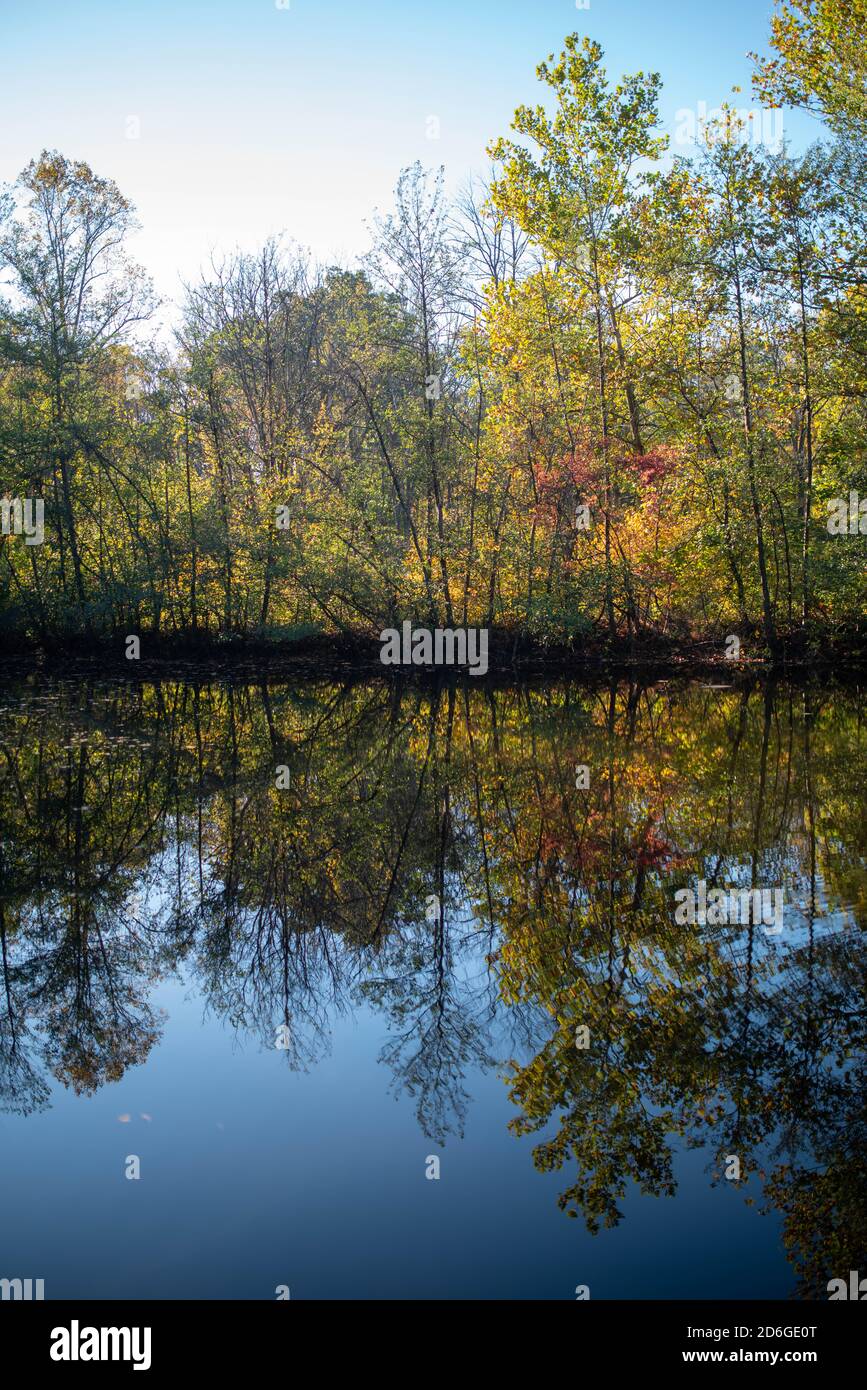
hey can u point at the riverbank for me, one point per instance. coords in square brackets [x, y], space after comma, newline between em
[838, 656]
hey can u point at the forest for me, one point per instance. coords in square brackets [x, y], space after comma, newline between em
[610, 397]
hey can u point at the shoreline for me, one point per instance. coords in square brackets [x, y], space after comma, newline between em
[511, 657]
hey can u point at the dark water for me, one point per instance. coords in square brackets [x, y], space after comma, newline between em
[465, 956]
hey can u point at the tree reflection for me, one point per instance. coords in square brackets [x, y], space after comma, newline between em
[433, 855]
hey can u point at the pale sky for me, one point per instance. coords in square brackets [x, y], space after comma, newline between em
[227, 120]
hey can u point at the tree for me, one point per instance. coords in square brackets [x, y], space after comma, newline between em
[74, 296]
[575, 201]
[821, 62]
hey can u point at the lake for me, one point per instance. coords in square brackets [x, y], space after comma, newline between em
[376, 990]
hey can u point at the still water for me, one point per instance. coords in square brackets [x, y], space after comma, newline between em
[286, 951]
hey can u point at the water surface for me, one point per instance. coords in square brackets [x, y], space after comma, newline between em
[287, 946]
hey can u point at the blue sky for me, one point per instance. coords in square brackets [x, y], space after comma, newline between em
[249, 118]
